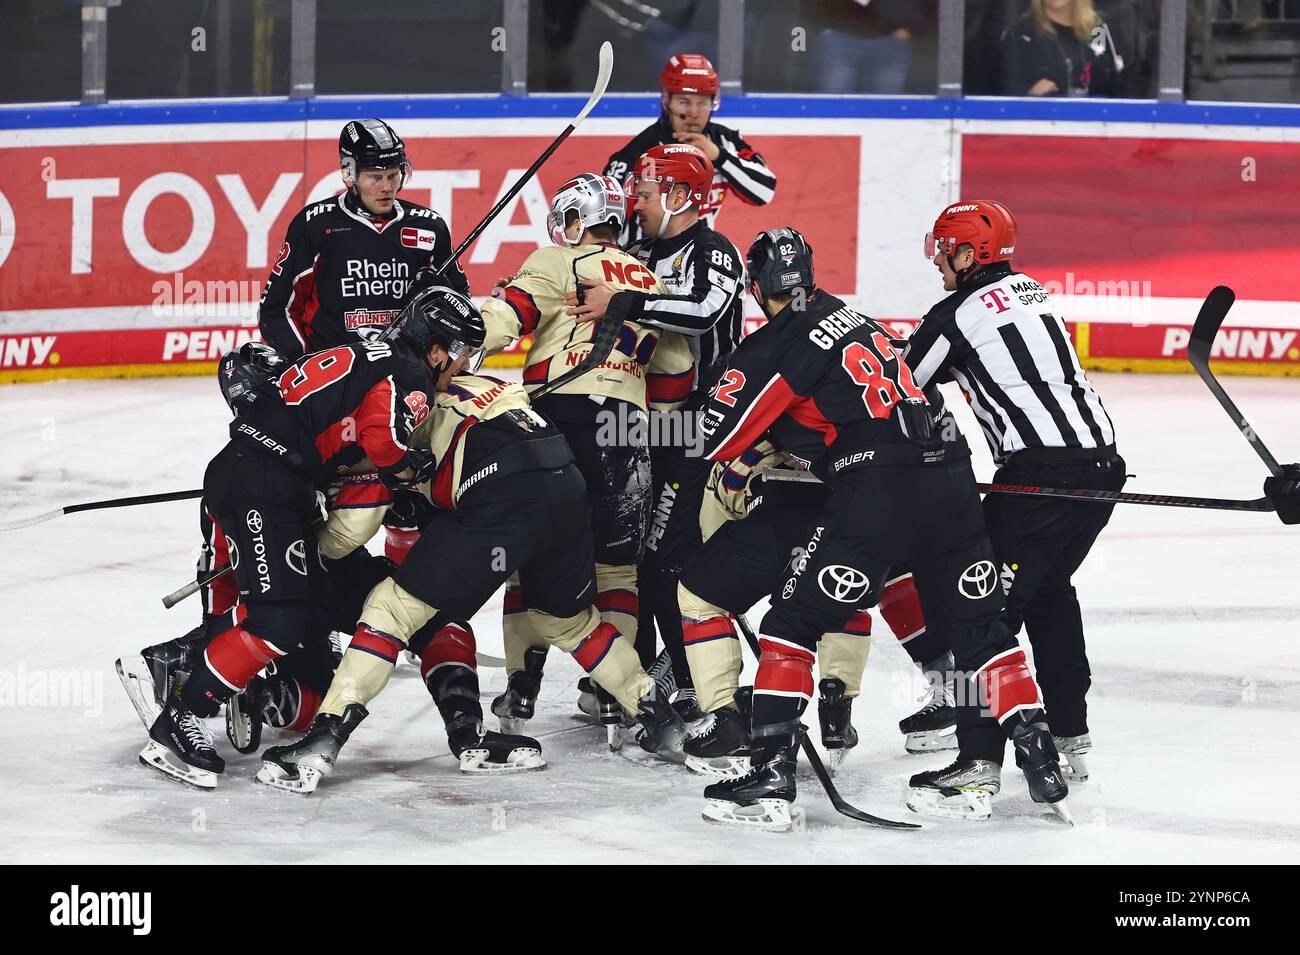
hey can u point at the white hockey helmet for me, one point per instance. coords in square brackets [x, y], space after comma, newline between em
[597, 200]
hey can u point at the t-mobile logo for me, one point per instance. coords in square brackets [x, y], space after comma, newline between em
[997, 300]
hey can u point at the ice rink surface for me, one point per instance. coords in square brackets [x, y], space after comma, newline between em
[1193, 620]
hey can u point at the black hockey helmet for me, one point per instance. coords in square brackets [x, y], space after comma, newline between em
[372, 144]
[249, 373]
[439, 316]
[779, 261]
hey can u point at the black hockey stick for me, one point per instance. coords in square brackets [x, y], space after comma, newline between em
[97, 505]
[602, 344]
[194, 586]
[815, 761]
[1213, 311]
[603, 72]
[1079, 494]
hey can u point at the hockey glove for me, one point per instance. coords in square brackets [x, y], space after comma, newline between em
[1284, 491]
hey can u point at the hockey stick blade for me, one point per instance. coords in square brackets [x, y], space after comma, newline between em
[1213, 311]
[604, 70]
[100, 505]
[841, 805]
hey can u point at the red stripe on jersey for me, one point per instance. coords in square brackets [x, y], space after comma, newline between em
[618, 601]
[900, 605]
[804, 410]
[524, 306]
[398, 542]
[758, 417]
[537, 374]
[702, 631]
[592, 650]
[237, 656]
[663, 387]
[859, 625]
[304, 301]
[383, 645]
[441, 488]
[376, 424]
[452, 644]
[784, 669]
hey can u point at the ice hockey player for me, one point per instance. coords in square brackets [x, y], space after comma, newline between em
[689, 97]
[510, 501]
[757, 516]
[318, 417]
[827, 386]
[701, 270]
[603, 414]
[1000, 337]
[347, 264]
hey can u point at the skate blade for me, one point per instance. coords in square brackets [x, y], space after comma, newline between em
[277, 777]
[718, 767]
[762, 815]
[1074, 767]
[139, 688]
[512, 725]
[931, 741]
[1062, 808]
[159, 757]
[521, 760]
[616, 735]
[973, 805]
[835, 758]
[239, 726]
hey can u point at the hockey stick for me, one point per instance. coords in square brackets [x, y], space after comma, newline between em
[1078, 494]
[97, 505]
[815, 761]
[602, 344]
[1213, 311]
[603, 72]
[194, 586]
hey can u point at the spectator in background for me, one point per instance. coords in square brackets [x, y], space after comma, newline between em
[1060, 48]
[863, 46]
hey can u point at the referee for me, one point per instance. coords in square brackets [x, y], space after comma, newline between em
[998, 336]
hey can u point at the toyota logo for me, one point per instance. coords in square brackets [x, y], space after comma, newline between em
[254, 522]
[978, 580]
[843, 583]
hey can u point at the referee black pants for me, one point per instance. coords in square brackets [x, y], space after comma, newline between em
[1040, 542]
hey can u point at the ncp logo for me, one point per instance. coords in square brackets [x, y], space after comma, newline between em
[978, 580]
[842, 583]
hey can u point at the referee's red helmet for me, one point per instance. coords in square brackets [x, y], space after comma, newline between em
[986, 224]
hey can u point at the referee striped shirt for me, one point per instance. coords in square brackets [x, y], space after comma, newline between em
[1002, 341]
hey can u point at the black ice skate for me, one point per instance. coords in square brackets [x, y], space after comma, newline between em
[1037, 758]
[762, 798]
[483, 751]
[964, 789]
[180, 746]
[587, 704]
[244, 716]
[721, 748]
[687, 705]
[934, 726]
[612, 716]
[515, 706]
[299, 767]
[1074, 751]
[149, 676]
[834, 712]
[662, 730]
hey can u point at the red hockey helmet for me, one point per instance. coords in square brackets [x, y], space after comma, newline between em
[985, 224]
[689, 73]
[676, 164]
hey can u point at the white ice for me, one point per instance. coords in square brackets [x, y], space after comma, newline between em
[1192, 620]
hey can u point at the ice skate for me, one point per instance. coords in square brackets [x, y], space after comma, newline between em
[834, 712]
[180, 746]
[515, 706]
[934, 726]
[761, 799]
[721, 748]
[662, 731]
[150, 675]
[1038, 760]
[299, 767]
[1074, 750]
[484, 751]
[244, 716]
[962, 790]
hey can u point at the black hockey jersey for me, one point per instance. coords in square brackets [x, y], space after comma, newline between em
[339, 406]
[824, 384]
[738, 168]
[343, 275]
[703, 273]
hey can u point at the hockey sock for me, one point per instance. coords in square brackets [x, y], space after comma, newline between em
[614, 665]
[616, 598]
[447, 666]
[843, 655]
[230, 661]
[517, 627]
[1006, 686]
[367, 664]
[713, 650]
[900, 605]
[782, 689]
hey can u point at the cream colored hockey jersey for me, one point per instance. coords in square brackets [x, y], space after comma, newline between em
[648, 367]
